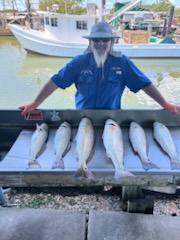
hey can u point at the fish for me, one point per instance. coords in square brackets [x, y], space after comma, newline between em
[38, 140]
[84, 147]
[113, 143]
[61, 144]
[163, 137]
[139, 143]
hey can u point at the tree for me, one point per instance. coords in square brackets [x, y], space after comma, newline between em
[160, 6]
[177, 11]
[65, 6]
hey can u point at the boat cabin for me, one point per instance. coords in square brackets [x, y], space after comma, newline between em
[66, 27]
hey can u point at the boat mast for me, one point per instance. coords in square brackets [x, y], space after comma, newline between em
[13, 7]
[101, 10]
[28, 7]
[4, 15]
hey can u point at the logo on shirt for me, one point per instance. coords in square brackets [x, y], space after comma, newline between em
[86, 72]
[117, 70]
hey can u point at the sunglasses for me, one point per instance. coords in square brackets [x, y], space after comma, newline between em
[101, 39]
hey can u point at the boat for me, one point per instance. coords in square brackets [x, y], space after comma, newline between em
[16, 132]
[63, 37]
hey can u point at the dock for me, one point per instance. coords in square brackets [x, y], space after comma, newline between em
[51, 224]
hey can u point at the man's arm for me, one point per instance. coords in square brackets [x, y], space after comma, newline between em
[47, 89]
[154, 93]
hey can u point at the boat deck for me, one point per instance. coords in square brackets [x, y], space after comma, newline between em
[14, 166]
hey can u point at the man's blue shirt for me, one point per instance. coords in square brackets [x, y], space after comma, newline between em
[100, 88]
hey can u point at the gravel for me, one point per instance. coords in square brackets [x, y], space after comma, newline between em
[86, 199]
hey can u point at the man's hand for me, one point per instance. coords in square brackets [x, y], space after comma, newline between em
[27, 108]
[172, 108]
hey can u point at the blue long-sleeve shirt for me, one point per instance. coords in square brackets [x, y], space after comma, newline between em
[100, 88]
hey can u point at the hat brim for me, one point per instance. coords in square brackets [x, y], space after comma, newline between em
[100, 35]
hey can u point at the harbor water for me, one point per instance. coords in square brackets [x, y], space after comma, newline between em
[23, 74]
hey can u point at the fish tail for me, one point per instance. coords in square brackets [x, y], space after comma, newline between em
[149, 165]
[81, 172]
[58, 164]
[33, 164]
[122, 173]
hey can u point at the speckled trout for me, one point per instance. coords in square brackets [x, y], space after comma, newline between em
[163, 136]
[113, 143]
[61, 144]
[138, 140]
[38, 140]
[84, 146]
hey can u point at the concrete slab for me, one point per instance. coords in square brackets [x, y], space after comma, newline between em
[128, 226]
[41, 224]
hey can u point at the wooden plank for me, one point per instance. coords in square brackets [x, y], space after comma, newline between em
[55, 179]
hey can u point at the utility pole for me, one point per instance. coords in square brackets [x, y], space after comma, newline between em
[28, 8]
[101, 10]
[4, 14]
[170, 18]
[12, 2]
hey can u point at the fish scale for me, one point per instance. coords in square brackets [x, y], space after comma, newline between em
[163, 136]
[38, 140]
[61, 144]
[113, 143]
[139, 143]
[84, 147]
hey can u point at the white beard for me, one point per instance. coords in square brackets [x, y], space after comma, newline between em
[99, 59]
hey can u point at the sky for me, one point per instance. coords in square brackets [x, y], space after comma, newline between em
[109, 3]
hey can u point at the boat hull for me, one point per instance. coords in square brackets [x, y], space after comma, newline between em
[51, 47]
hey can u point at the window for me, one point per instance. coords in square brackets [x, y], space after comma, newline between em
[54, 22]
[81, 25]
[47, 20]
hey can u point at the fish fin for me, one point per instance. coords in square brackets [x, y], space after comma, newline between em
[43, 149]
[67, 150]
[81, 172]
[33, 164]
[91, 155]
[58, 164]
[108, 157]
[122, 173]
[135, 151]
[149, 165]
[74, 140]
[175, 165]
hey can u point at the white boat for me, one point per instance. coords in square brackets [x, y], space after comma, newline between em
[63, 37]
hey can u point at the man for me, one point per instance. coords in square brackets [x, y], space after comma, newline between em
[100, 76]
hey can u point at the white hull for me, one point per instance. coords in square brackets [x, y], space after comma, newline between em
[35, 41]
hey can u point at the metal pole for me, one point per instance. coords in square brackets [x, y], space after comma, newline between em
[28, 7]
[13, 8]
[2, 199]
[101, 10]
[4, 15]
[171, 14]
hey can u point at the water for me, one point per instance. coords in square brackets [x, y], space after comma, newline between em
[22, 75]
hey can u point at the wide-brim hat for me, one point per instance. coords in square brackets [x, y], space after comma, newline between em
[101, 30]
